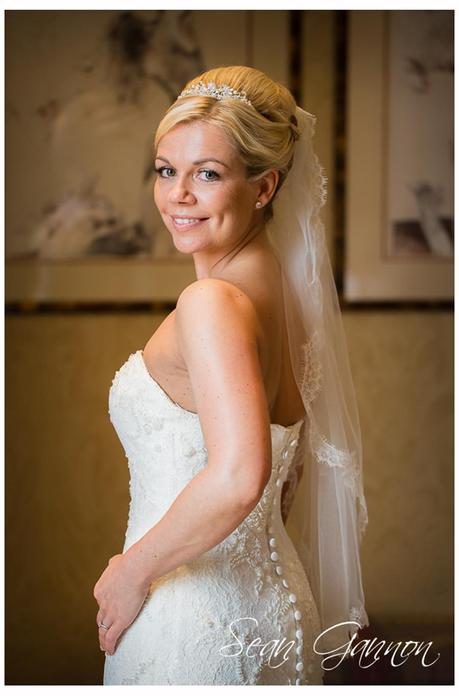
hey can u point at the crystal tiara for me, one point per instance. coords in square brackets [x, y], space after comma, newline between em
[211, 90]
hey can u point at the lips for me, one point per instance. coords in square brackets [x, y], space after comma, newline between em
[186, 225]
[186, 217]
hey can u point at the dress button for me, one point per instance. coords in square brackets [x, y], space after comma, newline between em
[292, 598]
[284, 454]
[293, 443]
[279, 570]
[285, 583]
[297, 614]
[299, 632]
[299, 649]
[298, 682]
[275, 556]
[272, 541]
[299, 666]
[279, 482]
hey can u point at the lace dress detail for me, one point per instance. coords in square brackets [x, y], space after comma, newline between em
[242, 613]
[311, 368]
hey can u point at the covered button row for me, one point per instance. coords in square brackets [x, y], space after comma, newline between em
[285, 455]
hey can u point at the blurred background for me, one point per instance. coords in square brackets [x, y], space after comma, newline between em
[91, 273]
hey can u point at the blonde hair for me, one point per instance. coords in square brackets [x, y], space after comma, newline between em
[263, 134]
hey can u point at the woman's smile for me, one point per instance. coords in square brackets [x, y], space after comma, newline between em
[183, 223]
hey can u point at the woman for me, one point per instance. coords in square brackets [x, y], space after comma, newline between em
[209, 588]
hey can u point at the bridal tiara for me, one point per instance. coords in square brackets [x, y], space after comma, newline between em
[211, 90]
[225, 91]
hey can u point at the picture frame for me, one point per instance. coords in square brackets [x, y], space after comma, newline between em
[381, 166]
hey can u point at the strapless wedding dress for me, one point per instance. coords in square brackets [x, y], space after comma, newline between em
[242, 612]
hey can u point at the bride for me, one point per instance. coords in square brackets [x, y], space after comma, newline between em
[209, 588]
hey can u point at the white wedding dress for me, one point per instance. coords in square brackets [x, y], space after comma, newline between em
[242, 612]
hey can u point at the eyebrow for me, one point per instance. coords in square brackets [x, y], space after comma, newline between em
[201, 161]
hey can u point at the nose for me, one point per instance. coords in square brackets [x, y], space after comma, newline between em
[179, 192]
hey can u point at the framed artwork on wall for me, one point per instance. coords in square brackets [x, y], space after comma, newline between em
[400, 171]
[85, 91]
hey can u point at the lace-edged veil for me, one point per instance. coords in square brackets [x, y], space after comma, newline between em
[330, 501]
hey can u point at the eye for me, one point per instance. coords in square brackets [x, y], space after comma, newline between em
[159, 170]
[213, 174]
[210, 171]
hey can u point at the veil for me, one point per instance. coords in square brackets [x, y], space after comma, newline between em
[333, 513]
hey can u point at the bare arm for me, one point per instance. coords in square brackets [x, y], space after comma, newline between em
[216, 332]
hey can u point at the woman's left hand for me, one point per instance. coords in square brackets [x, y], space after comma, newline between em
[120, 593]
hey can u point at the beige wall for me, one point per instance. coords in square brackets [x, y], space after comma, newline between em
[67, 478]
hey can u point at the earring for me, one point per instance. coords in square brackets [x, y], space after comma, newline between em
[258, 204]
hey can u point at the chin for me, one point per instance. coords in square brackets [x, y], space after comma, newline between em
[187, 244]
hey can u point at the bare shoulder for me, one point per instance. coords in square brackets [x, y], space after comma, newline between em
[213, 301]
[215, 292]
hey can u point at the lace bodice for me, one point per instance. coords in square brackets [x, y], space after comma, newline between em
[253, 576]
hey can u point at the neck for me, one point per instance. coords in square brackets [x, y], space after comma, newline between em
[255, 239]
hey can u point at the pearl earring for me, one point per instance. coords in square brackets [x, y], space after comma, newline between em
[258, 204]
